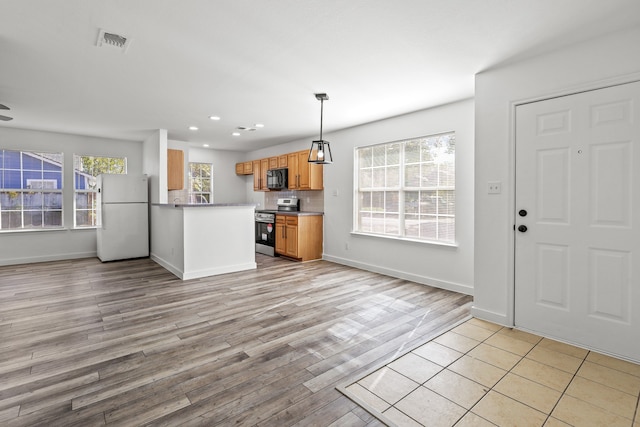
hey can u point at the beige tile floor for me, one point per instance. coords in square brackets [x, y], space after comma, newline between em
[482, 374]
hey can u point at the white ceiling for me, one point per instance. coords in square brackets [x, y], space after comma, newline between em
[261, 61]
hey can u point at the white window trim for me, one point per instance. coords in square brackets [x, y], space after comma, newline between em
[60, 191]
[89, 190]
[192, 194]
[401, 189]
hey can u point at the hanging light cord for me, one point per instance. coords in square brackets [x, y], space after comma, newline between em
[321, 113]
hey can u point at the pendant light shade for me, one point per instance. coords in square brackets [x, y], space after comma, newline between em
[320, 151]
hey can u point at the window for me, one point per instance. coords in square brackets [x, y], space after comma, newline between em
[30, 190]
[85, 171]
[200, 189]
[406, 189]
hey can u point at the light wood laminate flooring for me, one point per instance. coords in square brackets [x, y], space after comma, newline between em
[127, 343]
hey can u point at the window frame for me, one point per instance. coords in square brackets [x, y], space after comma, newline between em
[443, 219]
[91, 190]
[195, 197]
[27, 175]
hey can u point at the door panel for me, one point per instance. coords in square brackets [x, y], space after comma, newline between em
[578, 178]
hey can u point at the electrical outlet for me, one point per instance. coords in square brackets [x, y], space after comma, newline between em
[494, 187]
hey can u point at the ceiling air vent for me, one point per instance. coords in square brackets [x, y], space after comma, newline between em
[113, 41]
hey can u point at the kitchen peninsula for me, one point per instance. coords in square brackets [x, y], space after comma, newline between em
[199, 240]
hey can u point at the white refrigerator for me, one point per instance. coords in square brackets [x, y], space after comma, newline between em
[122, 217]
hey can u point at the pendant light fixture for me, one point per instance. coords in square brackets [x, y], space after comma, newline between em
[320, 152]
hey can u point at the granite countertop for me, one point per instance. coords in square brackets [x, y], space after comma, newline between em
[203, 205]
[299, 213]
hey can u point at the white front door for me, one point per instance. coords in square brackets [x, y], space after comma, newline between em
[577, 262]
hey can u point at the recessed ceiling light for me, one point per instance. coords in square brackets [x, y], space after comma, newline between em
[214, 117]
[236, 134]
[259, 125]
[205, 145]
[193, 127]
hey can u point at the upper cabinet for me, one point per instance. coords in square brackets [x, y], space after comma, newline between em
[256, 175]
[244, 168]
[282, 161]
[175, 169]
[278, 162]
[302, 174]
[264, 167]
[273, 163]
[260, 168]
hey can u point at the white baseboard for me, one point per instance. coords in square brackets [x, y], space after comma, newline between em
[491, 316]
[48, 258]
[450, 286]
[178, 272]
[219, 270]
[166, 265]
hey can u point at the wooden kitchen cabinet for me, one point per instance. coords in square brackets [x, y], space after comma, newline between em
[248, 168]
[278, 162]
[273, 162]
[282, 161]
[260, 168]
[299, 236]
[256, 175]
[244, 168]
[264, 167]
[302, 174]
[175, 169]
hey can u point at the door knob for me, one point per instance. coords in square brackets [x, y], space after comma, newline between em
[522, 212]
[522, 228]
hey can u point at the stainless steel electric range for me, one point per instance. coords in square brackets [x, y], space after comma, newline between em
[266, 225]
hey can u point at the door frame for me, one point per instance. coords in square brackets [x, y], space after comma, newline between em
[584, 87]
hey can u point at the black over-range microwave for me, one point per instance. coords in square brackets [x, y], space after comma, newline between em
[277, 179]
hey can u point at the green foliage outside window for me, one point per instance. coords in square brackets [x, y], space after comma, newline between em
[86, 169]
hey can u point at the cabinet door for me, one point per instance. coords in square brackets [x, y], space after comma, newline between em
[281, 246]
[282, 161]
[273, 163]
[239, 168]
[256, 175]
[309, 175]
[303, 171]
[175, 169]
[291, 248]
[292, 160]
[310, 236]
[248, 168]
[264, 167]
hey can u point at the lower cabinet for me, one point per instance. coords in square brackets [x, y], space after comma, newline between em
[299, 236]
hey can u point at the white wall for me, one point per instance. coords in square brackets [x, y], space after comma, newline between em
[155, 165]
[610, 59]
[35, 246]
[446, 267]
[227, 186]
[167, 238]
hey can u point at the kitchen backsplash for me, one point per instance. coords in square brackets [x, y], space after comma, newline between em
[310, 201]
[178, 196]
